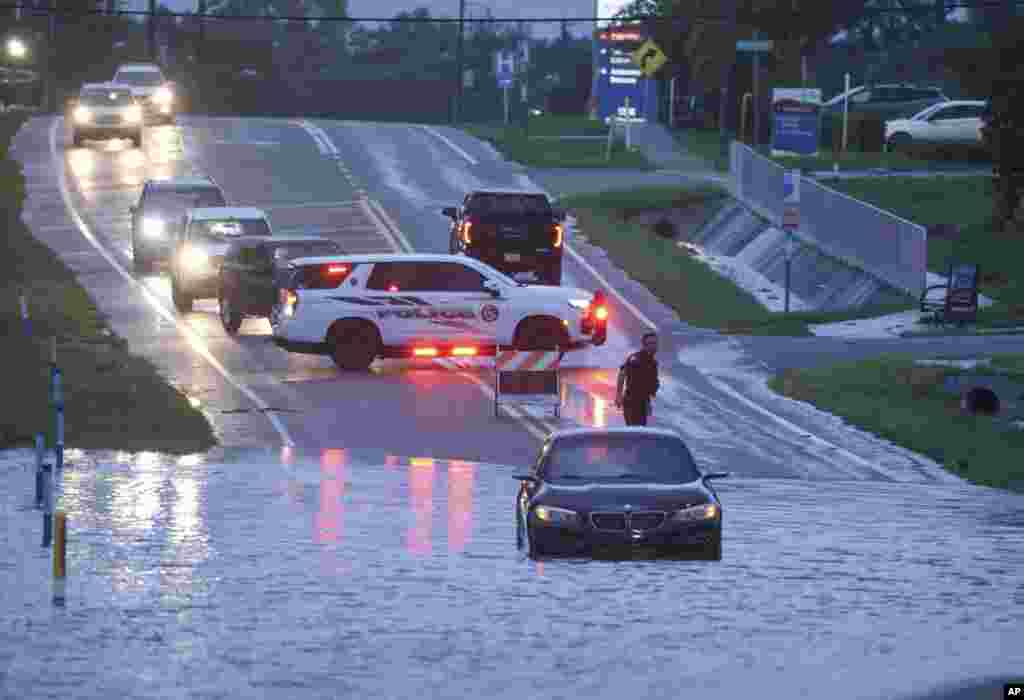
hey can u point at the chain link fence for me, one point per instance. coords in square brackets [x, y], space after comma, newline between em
[885, 246]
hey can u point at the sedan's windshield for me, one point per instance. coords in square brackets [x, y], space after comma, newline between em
[221, 230]
[175, 202]
[140, 78]
[650, 458]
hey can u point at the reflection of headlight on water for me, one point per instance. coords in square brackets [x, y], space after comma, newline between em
[194, 258]
[153, 228]
[82, 115]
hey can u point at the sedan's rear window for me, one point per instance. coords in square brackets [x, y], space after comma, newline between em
[649, 458]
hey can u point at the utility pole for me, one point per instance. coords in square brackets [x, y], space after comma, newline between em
[730, 7]
[459, 59]
[151, 31]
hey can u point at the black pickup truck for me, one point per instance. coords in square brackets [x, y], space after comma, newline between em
[511, 231]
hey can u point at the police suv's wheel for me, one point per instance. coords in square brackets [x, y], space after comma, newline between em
[182, 301]
[229, 318]
[540, 334]
[354, 345]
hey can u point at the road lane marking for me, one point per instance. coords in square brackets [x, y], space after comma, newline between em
[194, 339]
[451, 144]
[343, 204]
[390, 223]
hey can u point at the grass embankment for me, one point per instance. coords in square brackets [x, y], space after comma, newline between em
[892, 397]
[705, 144]
[697, 293]
[542, 146]
[966, 202]
[113, 399]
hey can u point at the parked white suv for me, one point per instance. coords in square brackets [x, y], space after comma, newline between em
[357, 308]
[956, 123]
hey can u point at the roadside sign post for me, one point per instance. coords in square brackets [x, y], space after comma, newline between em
[504, 70]
[790, 220]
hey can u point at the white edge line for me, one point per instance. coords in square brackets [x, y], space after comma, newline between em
[197, 343]
[725, 388]
[451, 144]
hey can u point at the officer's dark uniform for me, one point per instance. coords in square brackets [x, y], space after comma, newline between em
[641, 385]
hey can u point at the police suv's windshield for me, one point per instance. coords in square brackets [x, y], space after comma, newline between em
[650, 458]
[221, 230]
[139, 78]
[176, 201]
[106, 98]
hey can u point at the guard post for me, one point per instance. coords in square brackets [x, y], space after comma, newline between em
[531, 376]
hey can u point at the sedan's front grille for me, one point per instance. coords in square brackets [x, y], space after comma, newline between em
[608, 521]
[641, 520]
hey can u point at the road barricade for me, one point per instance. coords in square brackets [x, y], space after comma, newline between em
[530, 376]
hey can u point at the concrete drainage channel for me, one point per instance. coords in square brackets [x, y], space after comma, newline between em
[744, 247]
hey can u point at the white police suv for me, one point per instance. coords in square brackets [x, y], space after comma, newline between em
[357, 308]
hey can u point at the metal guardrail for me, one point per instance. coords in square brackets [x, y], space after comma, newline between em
[878, 242]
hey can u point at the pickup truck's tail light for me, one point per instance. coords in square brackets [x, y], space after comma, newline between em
[557, 233]
[425, 352]
[464, 231]
[289, 300]
[464, 352]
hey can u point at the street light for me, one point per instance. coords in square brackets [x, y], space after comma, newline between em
[16, 48]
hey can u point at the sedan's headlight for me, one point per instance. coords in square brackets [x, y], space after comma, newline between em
[82, 115]
[581, 304]
[695, 514]
[194, 258]
[163, 96]
[556, 516]
[133, 114]
[153, 228]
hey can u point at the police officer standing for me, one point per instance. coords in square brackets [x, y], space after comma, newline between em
[638, 382]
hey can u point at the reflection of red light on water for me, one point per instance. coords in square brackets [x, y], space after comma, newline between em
[332, 489]
[460, 504]
[421, 490]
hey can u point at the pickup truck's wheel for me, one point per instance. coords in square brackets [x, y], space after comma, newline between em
[354, 345]
[541, 333]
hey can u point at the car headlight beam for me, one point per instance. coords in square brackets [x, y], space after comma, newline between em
[703, 512]
[555, 516]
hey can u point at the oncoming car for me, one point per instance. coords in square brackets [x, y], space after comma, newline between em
[357, 308]
[160, 211]
[104, 111]
[205, 237]
[154, 92]
[618, 489]
[255, 268]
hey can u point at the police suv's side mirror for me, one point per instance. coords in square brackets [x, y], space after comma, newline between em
[450, 212]
[493, 287]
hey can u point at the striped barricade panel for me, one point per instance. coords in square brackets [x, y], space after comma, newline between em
[527, 374]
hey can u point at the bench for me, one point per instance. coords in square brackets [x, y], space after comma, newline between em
[959, 300]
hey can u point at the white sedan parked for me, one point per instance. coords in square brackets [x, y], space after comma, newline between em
[957, 122]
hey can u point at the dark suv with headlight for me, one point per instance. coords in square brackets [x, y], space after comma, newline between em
[511, 231]
[156, 219]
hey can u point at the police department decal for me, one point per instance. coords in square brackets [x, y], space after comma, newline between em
[489, 313]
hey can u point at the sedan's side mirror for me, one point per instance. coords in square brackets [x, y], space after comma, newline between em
[715, 475]
[526, 477]
[450, 212]
[493, 288]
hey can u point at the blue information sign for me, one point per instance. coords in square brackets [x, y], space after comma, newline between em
[618, 77]
[795, 121]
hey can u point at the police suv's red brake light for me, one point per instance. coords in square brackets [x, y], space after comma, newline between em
[333, 274]
[425, 352]
[337, 269]
[463, 352]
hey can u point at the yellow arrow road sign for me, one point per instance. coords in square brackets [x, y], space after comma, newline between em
[649, 57]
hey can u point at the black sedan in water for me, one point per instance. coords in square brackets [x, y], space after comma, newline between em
[618, 489]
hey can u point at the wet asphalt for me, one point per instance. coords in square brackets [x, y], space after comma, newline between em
[845, 553]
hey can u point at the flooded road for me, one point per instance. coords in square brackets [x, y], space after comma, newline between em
[355, 573]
